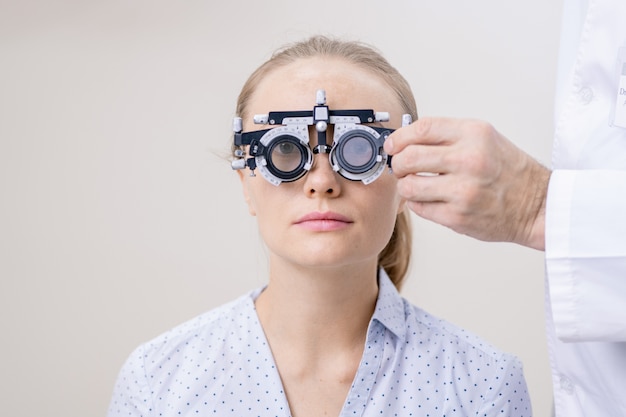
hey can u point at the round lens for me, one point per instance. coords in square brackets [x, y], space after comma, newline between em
[357, 151]
[286, 155]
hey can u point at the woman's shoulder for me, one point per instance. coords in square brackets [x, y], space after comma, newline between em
[452, 338]
[210, 329]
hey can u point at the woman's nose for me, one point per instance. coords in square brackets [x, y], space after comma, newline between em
[322, 180]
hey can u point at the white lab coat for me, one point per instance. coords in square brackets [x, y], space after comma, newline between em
[586, 216]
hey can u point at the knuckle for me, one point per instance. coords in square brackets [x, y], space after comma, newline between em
[477, 153]
[480, 130]
[423, 126]
[470, 198]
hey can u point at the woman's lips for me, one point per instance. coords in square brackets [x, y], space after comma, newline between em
[323, 222]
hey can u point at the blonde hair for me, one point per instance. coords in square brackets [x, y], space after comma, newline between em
[396, 256]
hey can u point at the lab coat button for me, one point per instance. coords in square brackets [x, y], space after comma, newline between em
[567, 385]
[586, 95]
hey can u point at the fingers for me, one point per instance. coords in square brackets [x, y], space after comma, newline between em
[428, 188]
[434, 145]
[447, 213]
[420, 159]
[437, 212]
[459, 194]
[444, 146]
[425, 131]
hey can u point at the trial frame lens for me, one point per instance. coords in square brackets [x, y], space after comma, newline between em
[287, 157]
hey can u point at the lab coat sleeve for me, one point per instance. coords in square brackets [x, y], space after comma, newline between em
[586, 254]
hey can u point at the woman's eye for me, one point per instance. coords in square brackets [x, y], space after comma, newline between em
[286, 156]
[358, 151]
[286, 148]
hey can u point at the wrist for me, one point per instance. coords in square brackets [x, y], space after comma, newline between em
[535, 233]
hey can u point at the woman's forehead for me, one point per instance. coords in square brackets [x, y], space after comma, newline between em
[347, 85]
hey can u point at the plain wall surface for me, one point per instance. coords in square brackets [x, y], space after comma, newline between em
[119, 219]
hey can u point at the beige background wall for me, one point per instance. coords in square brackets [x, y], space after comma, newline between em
[118, 220]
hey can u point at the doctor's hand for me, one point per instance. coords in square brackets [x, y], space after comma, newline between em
[465, 175]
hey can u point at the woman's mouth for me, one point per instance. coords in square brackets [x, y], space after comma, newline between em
[323, 222]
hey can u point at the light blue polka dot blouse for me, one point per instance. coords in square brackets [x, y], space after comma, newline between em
[220, 364]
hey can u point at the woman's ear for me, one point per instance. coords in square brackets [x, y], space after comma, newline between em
[246, 194]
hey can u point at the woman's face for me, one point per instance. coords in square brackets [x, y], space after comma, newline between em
[323, 220]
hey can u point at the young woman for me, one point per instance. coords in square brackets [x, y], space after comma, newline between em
[329, 334]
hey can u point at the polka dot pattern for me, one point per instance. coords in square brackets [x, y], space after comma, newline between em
[413, 364]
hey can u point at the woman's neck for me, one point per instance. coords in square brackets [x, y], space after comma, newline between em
[318, 307]
[315, 320]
